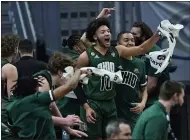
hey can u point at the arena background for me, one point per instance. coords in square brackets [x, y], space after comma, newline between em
[46, 23]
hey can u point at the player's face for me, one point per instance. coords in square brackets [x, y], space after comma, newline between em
[103, 36]
[125, 132]
[136, 31]
[178, 99]
[60, 80]
[181, 98]
[127, 40]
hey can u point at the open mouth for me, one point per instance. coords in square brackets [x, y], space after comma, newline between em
[107, 40]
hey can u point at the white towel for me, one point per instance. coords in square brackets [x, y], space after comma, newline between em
[160, 59]
[113, 76]
[69, 71]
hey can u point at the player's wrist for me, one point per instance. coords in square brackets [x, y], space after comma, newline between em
[86, 106]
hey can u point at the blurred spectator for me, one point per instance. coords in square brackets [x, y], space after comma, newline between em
[27, 66]
[118, 129]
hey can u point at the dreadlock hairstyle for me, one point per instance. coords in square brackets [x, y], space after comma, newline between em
[71, 41]
[26, 86]
[93, 27]
[145, 29]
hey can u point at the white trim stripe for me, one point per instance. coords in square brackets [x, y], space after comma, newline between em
[50, 95]
[144, 84]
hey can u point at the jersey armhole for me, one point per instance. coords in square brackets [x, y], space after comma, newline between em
[88, 54]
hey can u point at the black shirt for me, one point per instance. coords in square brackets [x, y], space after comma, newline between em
[27, 66]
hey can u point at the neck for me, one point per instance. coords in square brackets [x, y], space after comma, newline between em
[101, 49]
[26, 54]
[10, 58]
[166, 104]
[54, 79]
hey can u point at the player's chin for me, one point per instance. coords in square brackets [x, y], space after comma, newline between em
[107, 44]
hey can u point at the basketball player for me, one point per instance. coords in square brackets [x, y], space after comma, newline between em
[131, 94]
[100, 92]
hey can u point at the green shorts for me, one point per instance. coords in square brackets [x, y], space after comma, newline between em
[105, 112]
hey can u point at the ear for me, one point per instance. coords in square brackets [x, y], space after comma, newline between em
[175, 97]
[60, 73]
[95, 37]
[143, 38]
[118, 43]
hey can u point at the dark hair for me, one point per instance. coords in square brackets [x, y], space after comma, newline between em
[25, 46]
[113, 126]
[25, 86]
[71, 41]
[9, 43]
[169, 88]
[145, 29]
[59, 61]
[121, 33]
[93, 27]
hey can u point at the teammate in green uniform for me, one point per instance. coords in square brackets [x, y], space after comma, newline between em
[141, 31]
[9, 45]
[131, 94]
[154, 123]
[52, 78]
[75, 45]
[69, 105]
[100, 92]
[30, 114]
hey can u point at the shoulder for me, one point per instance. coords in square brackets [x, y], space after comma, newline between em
[139, 61]
[83, 60]
[155, 48]
[9, 68]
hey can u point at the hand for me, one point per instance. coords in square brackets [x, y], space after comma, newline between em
[138, 107]
[76, 133]
[90, 115]
[105, 13]
[166, 27]
[76, 77]
[72, 120]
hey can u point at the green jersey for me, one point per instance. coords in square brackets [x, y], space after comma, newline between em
[152, 124]
[31, 116]
[101, 88]
[134, 79]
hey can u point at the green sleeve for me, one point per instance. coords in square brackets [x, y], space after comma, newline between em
[44, 97]
[156, 129]
[143, 80]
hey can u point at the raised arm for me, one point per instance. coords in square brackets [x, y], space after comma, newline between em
[138, 50]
